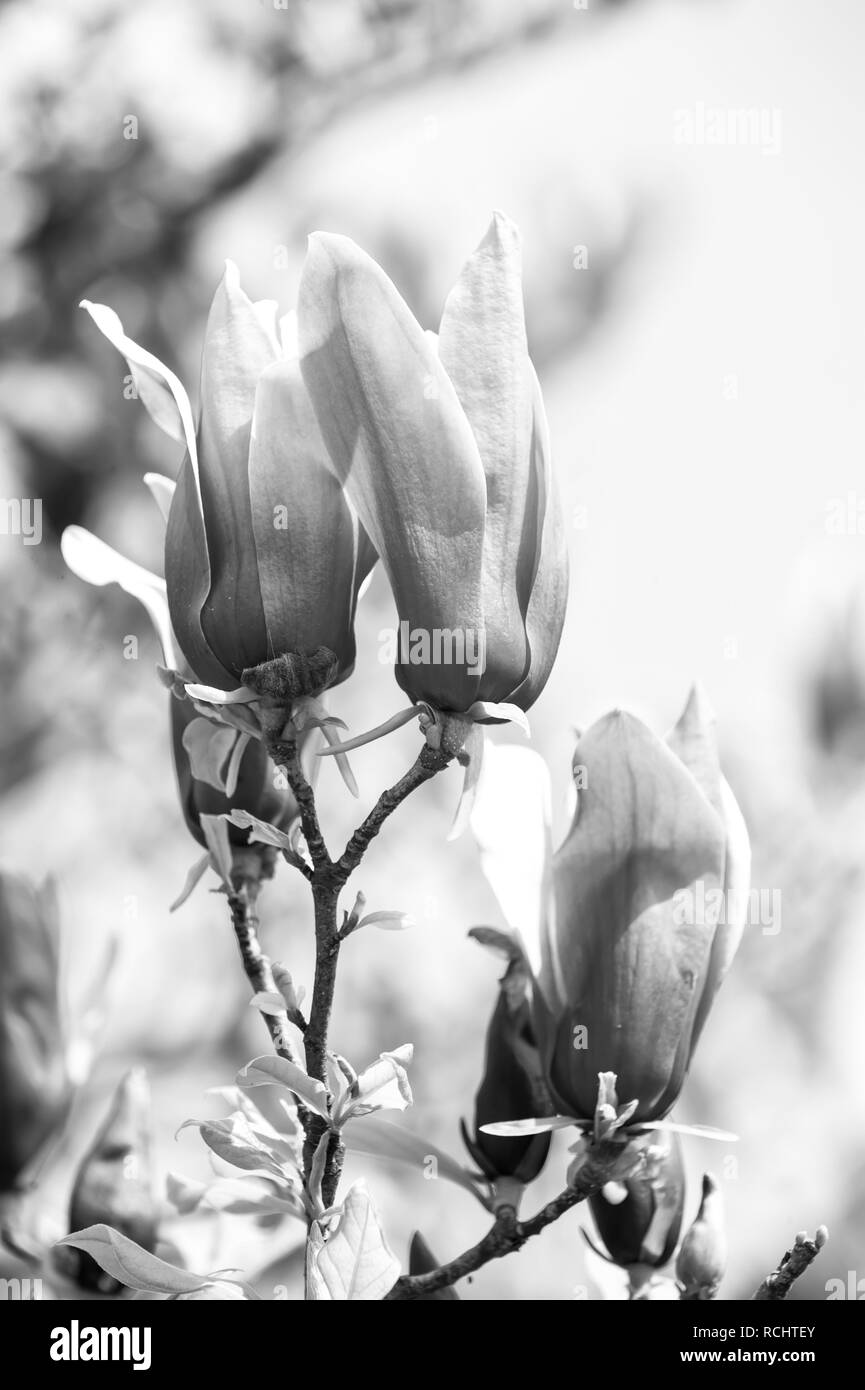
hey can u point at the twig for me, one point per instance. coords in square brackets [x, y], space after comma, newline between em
[428, 762]
[327, 879]
[507, 1233]
[778, 1284]
[256, 963]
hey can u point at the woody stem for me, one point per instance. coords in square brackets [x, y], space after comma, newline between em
[326, 881]
[507, 1233]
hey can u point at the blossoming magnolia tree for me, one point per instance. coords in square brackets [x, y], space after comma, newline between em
[340, 436]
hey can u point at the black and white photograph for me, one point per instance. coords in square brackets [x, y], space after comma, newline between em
[432, 666]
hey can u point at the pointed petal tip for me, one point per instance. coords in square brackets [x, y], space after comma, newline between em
[698, 707]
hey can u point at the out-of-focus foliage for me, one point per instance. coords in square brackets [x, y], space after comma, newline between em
[403, 125]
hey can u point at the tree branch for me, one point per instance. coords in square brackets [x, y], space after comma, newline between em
[507, 1233]
[256, 964]
[778, 1284]
[428, 762]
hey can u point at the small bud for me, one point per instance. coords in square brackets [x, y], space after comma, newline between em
[641, 1231]
[114, 1184]
[511, 1087]
[702, 1260]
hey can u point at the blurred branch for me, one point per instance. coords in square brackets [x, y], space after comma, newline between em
[777, 1285]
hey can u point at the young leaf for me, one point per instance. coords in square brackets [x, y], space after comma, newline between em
[270, 1071]
[387, 921]
[354, 1264]
[234, 1141]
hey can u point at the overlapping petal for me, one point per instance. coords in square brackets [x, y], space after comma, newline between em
[401, 445]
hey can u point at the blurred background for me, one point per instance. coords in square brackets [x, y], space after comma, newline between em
[695, 313]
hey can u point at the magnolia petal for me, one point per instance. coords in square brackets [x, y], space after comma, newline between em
[197, 872]
[211, 695]
[632, 973]
[694, 741]
[737, 883]
[161, 393]
[491, 712]
[482, 346]
[187, 575]
[471, 758]
[305, 535]
[97, 563]
[539, 1124]
[402, 447]
[511, 819]
[162, 490]
[237, 349]
[546, 584]
[232, 771]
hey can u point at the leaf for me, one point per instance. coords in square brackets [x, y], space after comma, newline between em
[378, 1138]
[387, 921]
[235, 1142]
[215, 833]
[129, 1264]
[276, 1071]
[382, 1086]
[354, 1264]
[198, 870]
[268, 1002]
[261, 831]
[316, 1175]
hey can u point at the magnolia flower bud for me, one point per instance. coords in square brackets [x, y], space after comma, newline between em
[220, 767]
[263, 556]
[511, 1088]
[443, 451]
[702, 1260]
[34, 1085]
[253, 788]
[650, 898]
[114, 1184]
[643, 1229]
